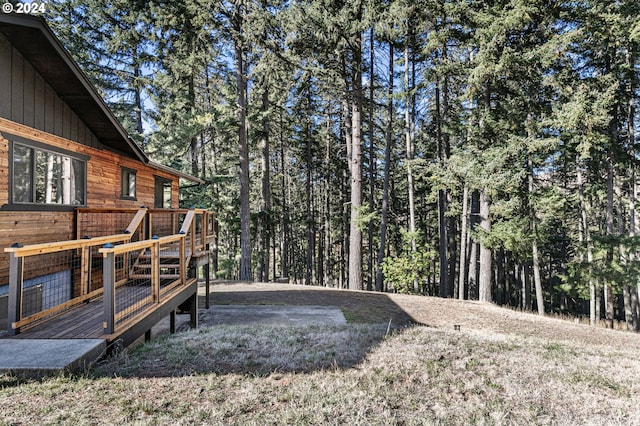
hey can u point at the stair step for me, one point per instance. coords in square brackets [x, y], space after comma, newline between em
[162, 276]
[162, 265]
[163, 255]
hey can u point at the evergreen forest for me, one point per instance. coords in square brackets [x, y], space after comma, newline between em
[481, 150]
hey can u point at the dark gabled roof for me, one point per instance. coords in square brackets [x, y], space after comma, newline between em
[33, 38]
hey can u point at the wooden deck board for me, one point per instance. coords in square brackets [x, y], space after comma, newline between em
[86, 320]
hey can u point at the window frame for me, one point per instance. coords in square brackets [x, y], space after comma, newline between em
[38, 146]
[160, 184]
[125, 172]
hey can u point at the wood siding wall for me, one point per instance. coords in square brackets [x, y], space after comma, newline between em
[26, 98]
[103, 191]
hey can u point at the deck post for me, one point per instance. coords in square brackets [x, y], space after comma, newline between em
[14, 311]
[172, 321]
[207, 276]
[155, 270]
[193, 323]
[85, 271]
[109, 263]
[182, 261]
[192, 230]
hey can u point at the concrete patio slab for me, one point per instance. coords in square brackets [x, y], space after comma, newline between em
[273, 314]
[39, 357]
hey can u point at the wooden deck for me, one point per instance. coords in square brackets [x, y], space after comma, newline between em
[86, 321]
[120, 295]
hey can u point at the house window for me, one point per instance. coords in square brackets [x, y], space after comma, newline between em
[162, 193]
[128, 184]
[43, 175]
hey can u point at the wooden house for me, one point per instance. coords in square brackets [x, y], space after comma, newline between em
[69, 172]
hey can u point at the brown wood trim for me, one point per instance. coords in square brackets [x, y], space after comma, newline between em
[136, 221]
[123, 248]
[29, 133]
[44, 248]
[109, 209]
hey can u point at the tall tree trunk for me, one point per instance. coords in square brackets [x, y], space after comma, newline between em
[372, 159]
[443, 276]
[387, 166]
[193, 145]
[355, 234]
[328, 278]
[344, 245]
[486, 265]
[474, 254]
[346, 186]
[409, 135]
[309, 264]
[608, 294]
[501, 282]
[526, 287]
[463, 244]
[594, 301]
[446, 225]
[537, 280]
[137, 93]
[266, 189]
[284, 227]
[243, 148]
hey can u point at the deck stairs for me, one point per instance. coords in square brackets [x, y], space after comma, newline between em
[169, 262]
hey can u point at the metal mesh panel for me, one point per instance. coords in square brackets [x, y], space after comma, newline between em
[170, 266]
[133, 284]
[198, 226]
[138, 285]
[103, 223]
[50, 280]
[166, 222]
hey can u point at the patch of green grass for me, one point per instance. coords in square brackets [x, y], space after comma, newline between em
[350, 316]
[599, 381]
[558, 352]
[472, 364]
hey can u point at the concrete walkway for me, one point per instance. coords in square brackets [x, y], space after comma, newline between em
[41, 357]
[272, 314]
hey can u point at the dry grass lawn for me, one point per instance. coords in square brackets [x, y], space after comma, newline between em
[501, 368]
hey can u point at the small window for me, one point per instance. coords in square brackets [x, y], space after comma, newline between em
[128, 184]
[43, 175]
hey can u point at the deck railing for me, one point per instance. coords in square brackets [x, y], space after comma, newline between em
[46, 279]
[151, 270]
[94, 222]
[164, 222]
